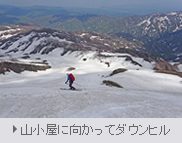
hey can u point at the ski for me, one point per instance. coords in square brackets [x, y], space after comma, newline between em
[70, 89]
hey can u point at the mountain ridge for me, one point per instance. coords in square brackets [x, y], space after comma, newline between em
[37, 42]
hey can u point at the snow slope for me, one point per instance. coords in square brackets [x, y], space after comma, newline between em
[38, 94]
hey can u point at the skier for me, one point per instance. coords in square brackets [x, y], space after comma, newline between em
[71, 79]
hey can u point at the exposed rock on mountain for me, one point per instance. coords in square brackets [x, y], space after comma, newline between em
[163, 65]
[44, 41]
[111, 83]
[119, 70]
[18, 67]
[12, 30]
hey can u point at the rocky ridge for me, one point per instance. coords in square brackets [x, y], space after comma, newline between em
[44, 41]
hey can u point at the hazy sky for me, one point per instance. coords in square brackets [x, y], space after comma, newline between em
[85, 3]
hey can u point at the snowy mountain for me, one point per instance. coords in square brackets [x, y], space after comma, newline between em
[99, 63]
[46, 40]
[12, 30]
[43, 41]
[154, 25]
[159, 33]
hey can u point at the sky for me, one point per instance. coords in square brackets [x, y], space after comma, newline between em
[86, 3]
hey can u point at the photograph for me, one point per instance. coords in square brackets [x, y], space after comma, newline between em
[90, 59]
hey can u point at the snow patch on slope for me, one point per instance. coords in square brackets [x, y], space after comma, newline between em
[38, 94]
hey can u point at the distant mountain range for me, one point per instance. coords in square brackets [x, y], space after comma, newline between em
[158, 34]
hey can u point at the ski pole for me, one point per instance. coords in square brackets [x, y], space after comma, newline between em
[77, 84]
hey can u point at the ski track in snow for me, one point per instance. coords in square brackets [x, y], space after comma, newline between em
[37, 94]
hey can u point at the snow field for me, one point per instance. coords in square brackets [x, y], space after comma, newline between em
[38, 95]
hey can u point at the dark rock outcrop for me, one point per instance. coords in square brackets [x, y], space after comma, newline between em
[111, 83]
[20, 67]
[164, 67]
[119, 70]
